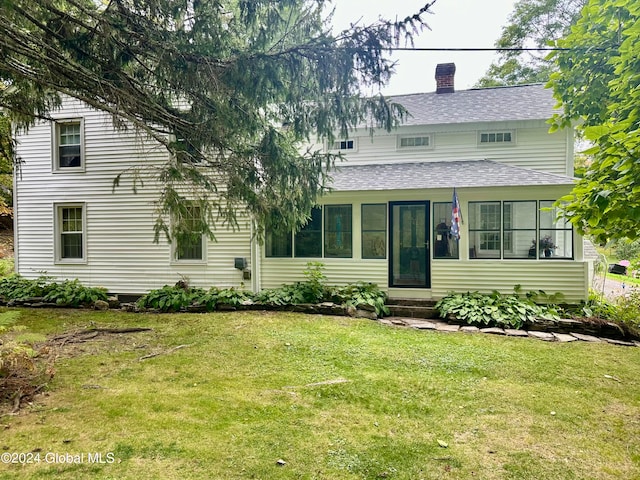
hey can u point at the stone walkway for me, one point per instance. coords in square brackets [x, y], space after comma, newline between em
[442, 326]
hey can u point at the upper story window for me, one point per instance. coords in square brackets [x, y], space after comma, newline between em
[344, 145]
[505, 137]
[415, 142]
[68, 145]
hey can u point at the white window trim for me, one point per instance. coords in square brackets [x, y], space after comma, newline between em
[419, 147]
[345, 150]
[57, 232]
[55, 144]
[189, 261]
[497, 144]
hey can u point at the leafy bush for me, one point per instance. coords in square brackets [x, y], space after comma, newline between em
[172, 298]
[228, 296]
[6, 266]
[284, 295]
[362, 293]
[627, 311]
[72, 294]
[16, 287]
[626, 249]
[67, 293]
[510, 311]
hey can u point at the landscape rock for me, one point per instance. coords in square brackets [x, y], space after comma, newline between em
[492, 330]
[101, 305]
[547, 337]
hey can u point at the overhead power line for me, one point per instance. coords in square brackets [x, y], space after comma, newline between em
[493, 49]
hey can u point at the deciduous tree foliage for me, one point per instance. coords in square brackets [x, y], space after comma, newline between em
[532, 24]
[231, 88]
[598, 86]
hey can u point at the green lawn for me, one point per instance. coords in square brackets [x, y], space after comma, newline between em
[332, 397]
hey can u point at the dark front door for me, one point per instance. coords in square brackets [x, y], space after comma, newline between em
[409, 259]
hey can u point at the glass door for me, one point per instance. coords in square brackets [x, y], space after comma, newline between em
[409, 245]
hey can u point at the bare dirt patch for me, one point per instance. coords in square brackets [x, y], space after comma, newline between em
[6, 243]
[25, 375]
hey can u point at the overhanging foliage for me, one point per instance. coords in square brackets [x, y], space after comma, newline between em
[599, 88]
[215, 82]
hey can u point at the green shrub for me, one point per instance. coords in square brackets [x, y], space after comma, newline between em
[228, 296]
[71, 293]
[362, 293]
[627, 310]
[507, 311]
[284, 295]
[626, 249]
[6, 266]
[171, 298]
[16, 287]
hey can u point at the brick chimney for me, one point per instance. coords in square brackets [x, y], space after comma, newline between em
[444, 77]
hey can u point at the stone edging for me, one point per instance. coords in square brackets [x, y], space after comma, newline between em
[442, 326]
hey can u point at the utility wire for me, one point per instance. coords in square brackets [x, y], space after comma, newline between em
[507, 49]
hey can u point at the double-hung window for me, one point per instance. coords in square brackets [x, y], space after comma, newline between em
[190, 242]
[68, 145]
[70, 233]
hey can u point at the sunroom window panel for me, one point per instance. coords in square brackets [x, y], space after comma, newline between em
[337, 231]
[519, 226]
[485, 229]
[444, 245]
[278, 244]
[374, 231]
[556, 233]
[308, 241]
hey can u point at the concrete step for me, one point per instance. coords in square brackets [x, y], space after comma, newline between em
[412, 311]
[417, 302]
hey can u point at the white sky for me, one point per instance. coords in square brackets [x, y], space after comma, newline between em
[454, 24]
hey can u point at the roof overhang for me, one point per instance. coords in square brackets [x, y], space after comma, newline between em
[444, 174]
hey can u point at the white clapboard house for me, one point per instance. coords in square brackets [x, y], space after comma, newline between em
[386, 221]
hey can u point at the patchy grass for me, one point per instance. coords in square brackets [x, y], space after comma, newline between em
[332, 397]
[624, 278]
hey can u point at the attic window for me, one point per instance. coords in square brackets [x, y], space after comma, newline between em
[417, 142]
[501, 138]
[344, 145]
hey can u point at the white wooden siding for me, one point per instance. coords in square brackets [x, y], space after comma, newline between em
[534, 146]
[121, 255]
[566, 276]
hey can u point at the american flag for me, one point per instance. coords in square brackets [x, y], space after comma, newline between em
[456, 216]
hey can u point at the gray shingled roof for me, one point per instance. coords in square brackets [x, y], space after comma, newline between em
[408, 176]
[523, 102]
